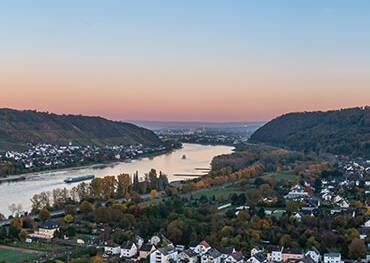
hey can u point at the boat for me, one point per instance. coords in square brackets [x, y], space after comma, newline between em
[70, 180]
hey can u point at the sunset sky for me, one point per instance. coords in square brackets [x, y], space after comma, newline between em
[184, 60]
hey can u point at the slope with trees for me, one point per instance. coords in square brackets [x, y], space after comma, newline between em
[345, 131]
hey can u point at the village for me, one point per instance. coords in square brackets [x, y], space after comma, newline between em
[40, 157]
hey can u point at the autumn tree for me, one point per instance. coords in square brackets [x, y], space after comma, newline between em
[44, 214]
[357, 249]
[123, 185]
[154, 194]
[86, 207]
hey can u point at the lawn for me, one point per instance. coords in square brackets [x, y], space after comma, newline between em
[14, 256]
[286, 176]
[222, 192]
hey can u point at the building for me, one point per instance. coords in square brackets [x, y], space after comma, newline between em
[112, 249]
[188, 256]
[332, 257]
[257, 258]
[235, 258]
[314, 254]
[46, 230]
[290, 254]
[211, 256]
[163, 255]
[202, 248]
[145, 250]
[128, 249]
[275, 254]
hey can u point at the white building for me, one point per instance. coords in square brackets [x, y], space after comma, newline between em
[332, 258]
[234, 258]
[314, 254]
[188, 256]
[46, 230]
[128, 249]
[202, 248]
[211, 256]
[112, 249]
[275, 255]
[163, 255]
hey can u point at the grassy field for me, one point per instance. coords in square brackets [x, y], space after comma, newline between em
[14, 256]
[218, 192]
[283, 176]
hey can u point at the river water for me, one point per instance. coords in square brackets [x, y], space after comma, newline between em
[197, 156]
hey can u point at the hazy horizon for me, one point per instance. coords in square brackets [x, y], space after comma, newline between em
[207, 61]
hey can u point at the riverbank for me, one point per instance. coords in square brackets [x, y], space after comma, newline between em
[170, 163]
[22, 176]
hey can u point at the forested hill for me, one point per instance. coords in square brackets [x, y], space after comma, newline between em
[345, 131]
[17, 128]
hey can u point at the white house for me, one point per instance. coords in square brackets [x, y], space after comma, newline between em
[128, 249]
[256, 250]
[188, 256]
[202, 248]
[46, 230]
[234, 258]
[314, 254]
[112, 249]
[163, 255]
[276, 255]
[332, 258]
[211, 256]
[257, 258]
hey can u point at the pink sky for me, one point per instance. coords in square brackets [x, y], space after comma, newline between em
[184, 60]
[180, 95]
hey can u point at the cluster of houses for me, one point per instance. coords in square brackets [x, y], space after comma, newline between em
[282, 254]
[158, 249]
[48, 155]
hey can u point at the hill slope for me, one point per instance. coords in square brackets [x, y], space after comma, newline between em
[344, 131]
[17, 128]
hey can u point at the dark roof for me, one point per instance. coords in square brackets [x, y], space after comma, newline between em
[166, 250]
[190, 253]
[228, 250]
[237, 256]
[50, 225]
[273, 248]
[127, 244]
[214, 253]
[293, 251]
[260, 257]
[146, 247]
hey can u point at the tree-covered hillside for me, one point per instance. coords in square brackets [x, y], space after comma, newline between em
[17, 128]
[345, 131]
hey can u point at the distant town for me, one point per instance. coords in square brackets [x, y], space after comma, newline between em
[41, 157]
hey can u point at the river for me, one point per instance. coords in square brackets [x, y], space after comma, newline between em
[197, 156]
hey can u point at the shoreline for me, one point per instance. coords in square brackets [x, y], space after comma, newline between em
[19, 177]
